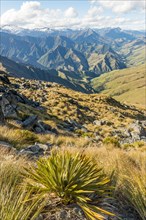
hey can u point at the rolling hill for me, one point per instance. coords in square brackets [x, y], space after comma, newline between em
[127, 85]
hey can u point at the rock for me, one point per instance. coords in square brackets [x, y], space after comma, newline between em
[41, 127]
[38, 130]
[97, 122]
[16, 86]
[67, 213]
[1, 116]
[102, 122]
[73, 123]
[97, 136]
[5, 144]
[8, 147]
[45, 147]
[30, 122]
[63, 214]
[35, 150]
[137, 131]
[7, 110]
[83, 129]
[44, 125]
[40, 217]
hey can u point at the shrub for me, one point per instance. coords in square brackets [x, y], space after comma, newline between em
[111, 140]
[74, 178]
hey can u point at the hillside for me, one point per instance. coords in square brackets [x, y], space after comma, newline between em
[68, 130]
[64, 59]
[134, 52]
[127, 85]
[102, 63]
[69, 79]
[72, 110]
[76, 114]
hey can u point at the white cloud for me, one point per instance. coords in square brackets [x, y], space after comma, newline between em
[32, 15]
[94, 11]
[30, 5]
[121, 6]
[71, 12]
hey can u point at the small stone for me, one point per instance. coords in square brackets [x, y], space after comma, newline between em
[97, 122]
[40, 217]
[30, 121]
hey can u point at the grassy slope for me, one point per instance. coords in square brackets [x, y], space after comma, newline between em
[134, 52]
[126, 85]
[137, 57]
[61, 103]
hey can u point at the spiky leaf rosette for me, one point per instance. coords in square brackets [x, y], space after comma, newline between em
[74, 178]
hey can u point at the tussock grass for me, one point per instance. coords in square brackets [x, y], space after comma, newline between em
[17, 137]
[15, 202]
[64, 140]
[127, 172]
[125, 168]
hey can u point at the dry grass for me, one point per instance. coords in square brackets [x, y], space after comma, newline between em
[15, 201]
[127, 85]
[64, 140]
[127, 170]
[17, 137]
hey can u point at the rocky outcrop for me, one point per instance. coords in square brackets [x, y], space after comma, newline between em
[29, 122]
[31, 151]
[36, 150]
[9, 100]
[10, 108]
[136, 131]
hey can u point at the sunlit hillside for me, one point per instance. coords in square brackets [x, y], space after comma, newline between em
[127, 85]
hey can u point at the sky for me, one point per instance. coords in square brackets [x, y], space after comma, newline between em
[74, 13]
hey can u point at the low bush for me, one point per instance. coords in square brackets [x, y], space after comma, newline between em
[111, 140]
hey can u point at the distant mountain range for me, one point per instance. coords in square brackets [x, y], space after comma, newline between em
[73, 58]
[98, 51]
[68, 79]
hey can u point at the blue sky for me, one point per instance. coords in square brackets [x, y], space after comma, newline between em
[74, 14]
[80, 5]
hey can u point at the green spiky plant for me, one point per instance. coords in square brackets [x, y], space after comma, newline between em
[74, 178]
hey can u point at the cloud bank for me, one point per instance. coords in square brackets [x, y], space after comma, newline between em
[32, 15]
